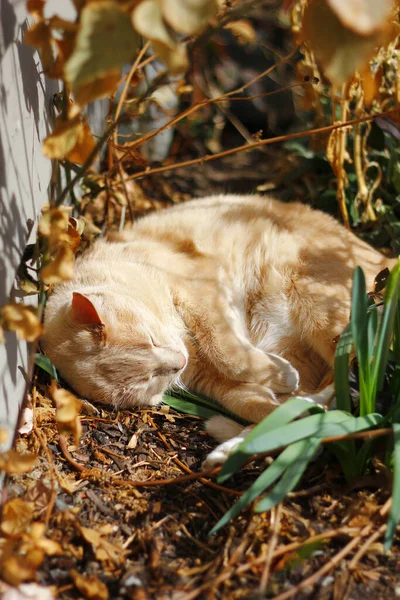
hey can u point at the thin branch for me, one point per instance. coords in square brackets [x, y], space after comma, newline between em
[276, 521]
[335, 560]
[275, 140]
[221, 98]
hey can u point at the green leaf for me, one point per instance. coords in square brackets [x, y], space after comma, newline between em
[283, 414]
[288, 457]
[341, 370]
[292, 475]
[386, 329]
[345, 453]
[105, 42]
[198, 405]
[266, 479]
[373, 322]
[363, 455]
[359, 319]
[45, 363]
[394, 515]
[190, 408]
[328, 424]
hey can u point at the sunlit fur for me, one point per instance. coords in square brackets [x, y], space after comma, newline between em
[252, 291]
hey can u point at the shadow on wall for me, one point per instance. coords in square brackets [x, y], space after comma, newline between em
[25, 119]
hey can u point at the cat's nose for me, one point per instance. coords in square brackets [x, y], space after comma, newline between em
[179, 361]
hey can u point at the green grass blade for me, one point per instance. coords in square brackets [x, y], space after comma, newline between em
[359, 319]
[386, 328]
[328, 424]
[363, 455]
[394, 515]
[345, 452]
[197, 405]
[190, 408]
[341, 370]
[45, 364]
[292, 475]
[396, 334]
[267, 478]
[291, 409]
[373, 322]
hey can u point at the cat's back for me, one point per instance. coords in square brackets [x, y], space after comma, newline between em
[221, 219]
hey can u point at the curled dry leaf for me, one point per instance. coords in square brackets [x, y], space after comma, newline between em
[23, 320]
[91, 72]
[188, 16]
[243, 30]
[39, 36]
[104, 550]
[147, 18]
[61, 268]
[340, 51]
[38, 539]
[14, 568]
[35, 8]
[91, 587]
[4, 435]
[54, 222]
[70, 139]
[362, 16]
[17, 516]
[16, 464]
[67, 412]
[91, 536]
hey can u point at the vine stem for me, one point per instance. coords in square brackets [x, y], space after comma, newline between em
[257, 144]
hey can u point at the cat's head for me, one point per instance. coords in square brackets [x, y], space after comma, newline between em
[112, 349]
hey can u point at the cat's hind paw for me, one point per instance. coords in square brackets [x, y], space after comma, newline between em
[283, 378]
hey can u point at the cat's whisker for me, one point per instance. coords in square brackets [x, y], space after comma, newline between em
[179, 385]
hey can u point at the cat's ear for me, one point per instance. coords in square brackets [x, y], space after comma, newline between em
[83, 310]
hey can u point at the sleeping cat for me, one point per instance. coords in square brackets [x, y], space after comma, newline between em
[238, 298]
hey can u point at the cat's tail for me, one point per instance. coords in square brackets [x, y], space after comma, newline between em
[222, 428]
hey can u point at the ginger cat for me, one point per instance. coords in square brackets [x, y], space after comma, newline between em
[238, 298]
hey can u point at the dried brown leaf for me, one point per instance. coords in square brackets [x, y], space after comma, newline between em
[23, 320]
[188, 16]
[67, 412]
[91, 72]
[4, 435]
[17, 516]
[339, 50]
[61, 268]
[91, 536]
[91, 587]
[84, 146]
[14, 463]
[243, 30]
[362, 16]
[147, 19]
[17, 569]
[39, 36]
[54, 222]
[63, 139]
[35, 8]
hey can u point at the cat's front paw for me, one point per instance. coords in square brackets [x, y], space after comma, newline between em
[281, 377]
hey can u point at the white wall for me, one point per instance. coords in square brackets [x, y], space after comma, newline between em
[25, 119]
